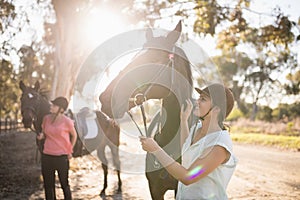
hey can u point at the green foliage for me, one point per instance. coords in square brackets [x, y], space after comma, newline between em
[286, 111]
[34, 69]
[6, 13]
[9, 80]
[286, 142]
[256, 76]
[276, 127]
[234, 115]
[265, 114]
[227, 67]
[290, 126]
[268, 45]
[9, 89]
[293, 87]
[18, 25]
[250, 76]
[294, 110]
[208, 17]
[283, 111]
[35, 63]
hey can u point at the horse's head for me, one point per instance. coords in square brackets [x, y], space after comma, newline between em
[30, 103]
[152, 74]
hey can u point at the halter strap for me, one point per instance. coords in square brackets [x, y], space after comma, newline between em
[130, 115]
[171, 61]
[135, 99]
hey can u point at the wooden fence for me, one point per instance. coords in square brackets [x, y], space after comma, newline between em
[9, 124]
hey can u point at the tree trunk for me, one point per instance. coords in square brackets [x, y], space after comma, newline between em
[67, 56]
[237, 90]
[254, 111]
[254, 105]
[71, 48]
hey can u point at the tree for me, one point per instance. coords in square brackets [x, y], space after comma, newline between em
[293, 85]
[7, 15]
[18, 26]
[253, 76]
[63, 43]
[33, 68]
[70, 47]
[248, 75]
[30, 70]
[234, 67]
[261, 77]
[9, 92]
[265, 113]
[21, 45]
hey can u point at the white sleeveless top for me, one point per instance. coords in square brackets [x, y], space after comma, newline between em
[214, 185]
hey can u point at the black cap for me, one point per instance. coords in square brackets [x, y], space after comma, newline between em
[62, 102]
[221, 96]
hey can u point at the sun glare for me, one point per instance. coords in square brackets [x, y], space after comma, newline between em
[101, 25]
[113, 70]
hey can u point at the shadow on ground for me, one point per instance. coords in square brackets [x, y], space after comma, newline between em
[19, 173]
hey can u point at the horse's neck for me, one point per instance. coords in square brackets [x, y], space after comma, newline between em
[44, 109]
[102, 118]
[182, 65]
[172, 108]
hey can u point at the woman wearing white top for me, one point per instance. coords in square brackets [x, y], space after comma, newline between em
[207, 158]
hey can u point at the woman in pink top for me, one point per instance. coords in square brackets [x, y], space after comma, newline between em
[60, 137]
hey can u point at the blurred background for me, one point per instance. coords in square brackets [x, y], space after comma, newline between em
[254, 44]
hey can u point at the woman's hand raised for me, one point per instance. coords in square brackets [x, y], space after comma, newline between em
[185, 113]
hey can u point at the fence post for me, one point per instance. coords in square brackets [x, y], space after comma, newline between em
[1, 121]
[7, 123]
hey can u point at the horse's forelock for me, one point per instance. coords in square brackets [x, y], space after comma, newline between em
[39, 98]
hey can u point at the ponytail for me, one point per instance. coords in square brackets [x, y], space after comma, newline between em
[56, 114]
[221, 123]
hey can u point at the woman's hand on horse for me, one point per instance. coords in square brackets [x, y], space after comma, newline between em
[149, 144]
[186, 110]
[40, 136]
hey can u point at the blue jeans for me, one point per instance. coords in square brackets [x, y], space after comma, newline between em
[50, 164]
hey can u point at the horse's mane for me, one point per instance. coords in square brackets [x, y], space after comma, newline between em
[44, 93]
[188, 70]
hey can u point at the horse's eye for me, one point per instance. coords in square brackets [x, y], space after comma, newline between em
[30, 95]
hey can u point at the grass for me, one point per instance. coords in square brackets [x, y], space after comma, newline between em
[281, 141]
[280, 134]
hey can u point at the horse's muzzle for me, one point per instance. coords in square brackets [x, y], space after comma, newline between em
[27, 123]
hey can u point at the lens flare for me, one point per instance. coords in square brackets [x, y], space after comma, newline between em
[195, 172]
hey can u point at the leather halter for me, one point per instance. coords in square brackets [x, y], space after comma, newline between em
[140, 98]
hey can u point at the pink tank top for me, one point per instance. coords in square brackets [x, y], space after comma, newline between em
[57, 136]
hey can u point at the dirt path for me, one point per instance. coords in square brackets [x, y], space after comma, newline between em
[262, 173]
[265, 173]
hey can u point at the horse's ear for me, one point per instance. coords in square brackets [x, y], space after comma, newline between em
[178, 27]
[22, 85]
[174, 35]
[37, 86]
[149, 34]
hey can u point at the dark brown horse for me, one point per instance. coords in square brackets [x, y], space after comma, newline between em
[35, 105]
[160, 71]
